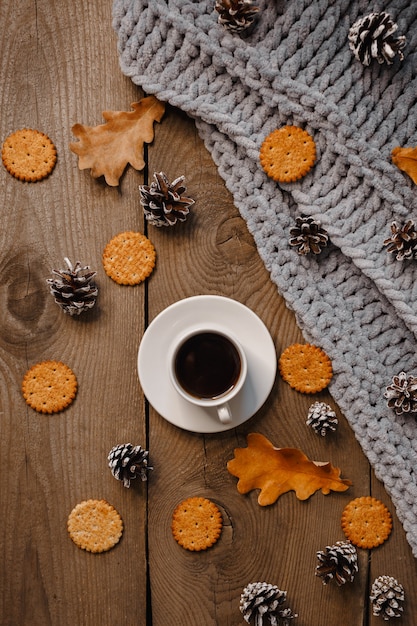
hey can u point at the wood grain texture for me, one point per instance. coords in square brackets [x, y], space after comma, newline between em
[59, 66]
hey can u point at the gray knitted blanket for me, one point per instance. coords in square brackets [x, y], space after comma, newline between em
[354, 300]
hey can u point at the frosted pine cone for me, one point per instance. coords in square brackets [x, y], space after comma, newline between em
[261, 603]
[74, 289]
[372, 37]
[338, 562]
[386, 595]
[402, 394]
[163, 202]
[403, 241]
[321, 418]
[127, 462]
[308, 236]
[236, 15]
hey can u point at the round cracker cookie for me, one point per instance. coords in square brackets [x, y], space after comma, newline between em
[366, 522]
[305, 368]
[196, 523]
[29, 155]
[49, 386]
[287, 154]
[129, 258]
[95, 525]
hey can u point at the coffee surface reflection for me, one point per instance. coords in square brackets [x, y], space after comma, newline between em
[207, 365]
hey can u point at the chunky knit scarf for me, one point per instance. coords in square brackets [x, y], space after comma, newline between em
[354, 300]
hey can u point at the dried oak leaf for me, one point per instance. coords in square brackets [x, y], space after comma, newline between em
[406, 160]
[109, 147]
[277, 470]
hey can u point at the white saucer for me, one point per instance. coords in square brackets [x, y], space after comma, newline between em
[244, 324]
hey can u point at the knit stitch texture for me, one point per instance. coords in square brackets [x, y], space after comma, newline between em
[295, 67]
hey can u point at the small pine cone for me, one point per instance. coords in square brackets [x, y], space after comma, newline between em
[321, 418]
[74, 289]
[338, 562]
[262, 601]
[403, 241]
[386, 595]
[372, 37]
[163, 202]
[308, 236]
[236, 15]
[402, 394]
[127, 462]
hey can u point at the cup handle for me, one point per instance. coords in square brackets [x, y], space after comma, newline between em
[224, 413]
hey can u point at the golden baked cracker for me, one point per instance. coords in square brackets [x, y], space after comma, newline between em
[49, 386]
[95, 525]
[129, 258]
[366, 522]
[288, 153]
[305, 368]
[28, 155]
[196, 523]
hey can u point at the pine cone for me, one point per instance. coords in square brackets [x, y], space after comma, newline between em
[236, 15]
[338, 562]
[403, 241]
[321, 418]
[261, 601]
[371, 37]
[386, 595]
[127, 462]
[402, 394]
[163, 202]
[308, 236]
[74, 289]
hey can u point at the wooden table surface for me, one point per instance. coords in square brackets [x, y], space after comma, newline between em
[59, 66]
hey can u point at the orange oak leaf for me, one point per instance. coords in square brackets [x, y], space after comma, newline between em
[406, 160]
[277, 470]
[108, 148]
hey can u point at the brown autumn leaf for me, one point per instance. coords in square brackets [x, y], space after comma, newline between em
[406, 160]
[277, 470]
[109, 147]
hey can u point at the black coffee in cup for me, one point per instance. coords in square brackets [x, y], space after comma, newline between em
[207, 365]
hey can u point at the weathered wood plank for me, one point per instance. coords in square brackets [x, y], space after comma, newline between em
[59, 66]
[277, 543]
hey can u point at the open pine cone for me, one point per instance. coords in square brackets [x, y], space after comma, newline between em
[127, 462]
[73, 288]
[338, 562]
[308, 236]
[403, 241]
[321, 418]
[236, 15]
[372, 37]
[402, 394]
[386, 595]
[262, 601]
[164, 203]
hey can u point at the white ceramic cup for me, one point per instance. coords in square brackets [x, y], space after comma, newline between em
[208, 367]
